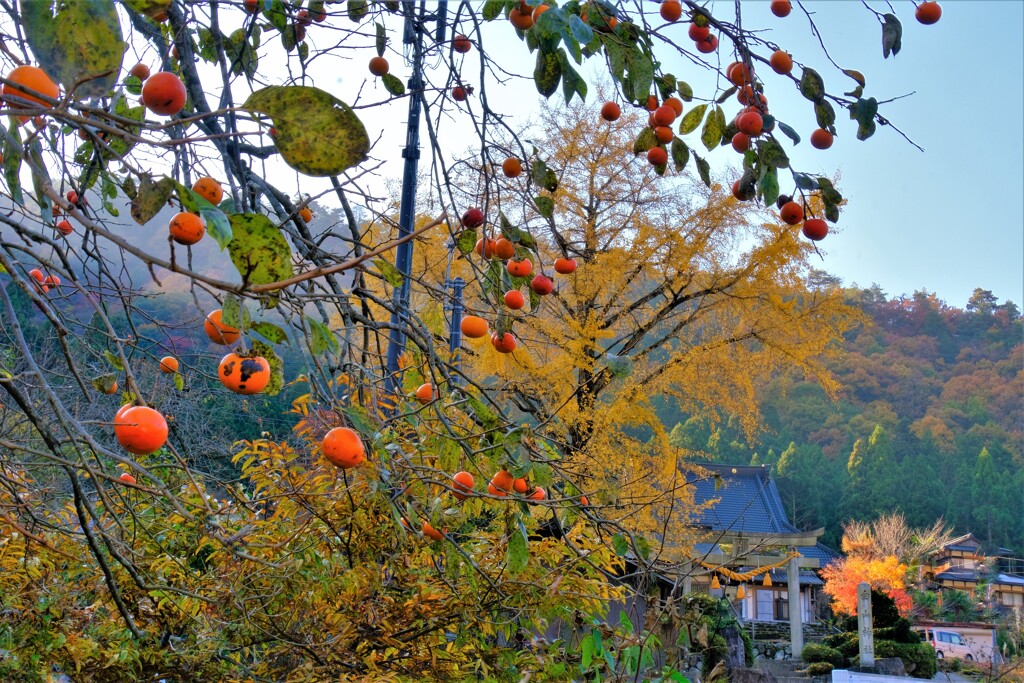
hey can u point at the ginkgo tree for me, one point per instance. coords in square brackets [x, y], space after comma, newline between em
[303, 556]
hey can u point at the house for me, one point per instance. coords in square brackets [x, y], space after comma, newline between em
[744, 513]
[962, 565]
[745, 536]
[749, 537]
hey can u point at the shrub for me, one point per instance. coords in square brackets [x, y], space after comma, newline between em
[837, 640]
[819, 669]
[814, 653]
[919, 659]
[748, 648]
[900, 632]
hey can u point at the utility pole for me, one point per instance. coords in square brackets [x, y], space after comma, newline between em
[412, 35]
[455, 331]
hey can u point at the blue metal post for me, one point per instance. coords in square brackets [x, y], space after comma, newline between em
[413, 35]
[455, 335]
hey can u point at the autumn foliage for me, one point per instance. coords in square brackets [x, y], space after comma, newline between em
[885, 574]
[291, 510]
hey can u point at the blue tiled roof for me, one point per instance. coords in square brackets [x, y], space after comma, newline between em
[747, 501]
[971, 575]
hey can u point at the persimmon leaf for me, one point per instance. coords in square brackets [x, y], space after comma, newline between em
[77, 43]
[259, 249]
[317, 134]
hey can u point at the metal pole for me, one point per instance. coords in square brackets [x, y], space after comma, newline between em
[413, 35]
[455, 333]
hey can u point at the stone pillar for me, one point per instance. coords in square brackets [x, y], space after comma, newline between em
[796, 626]
[866, 637]
[687, 578]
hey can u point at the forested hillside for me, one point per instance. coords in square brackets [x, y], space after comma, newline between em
[929, 422]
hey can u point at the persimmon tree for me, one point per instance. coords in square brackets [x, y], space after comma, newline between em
[166, 513]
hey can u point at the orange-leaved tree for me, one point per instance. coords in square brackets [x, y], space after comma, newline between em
[884, 552]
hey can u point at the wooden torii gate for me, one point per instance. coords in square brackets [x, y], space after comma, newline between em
[756, 550]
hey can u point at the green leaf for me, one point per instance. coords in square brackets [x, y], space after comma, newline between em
[518, 552]
[538, 171]
[805, 182]
[692, 119]
[547, 73]
[382, 39]
[465, 241]
[276, 367]
[317, 134]
[492, 9]
[393, 84]
[703, 169]
[680, 154]
[392, 275]
[829, 194]
[321, 337]
[642, 546]
[151, 198]
[108, 192]
[892, 35]
[825, 114]
[685, 91]
[179, 382]
[514, 234]
[666, 85]
[493, 279]
[769, 186]
[812, 86]
[572, 82]
[771, 154]
[150, 8]
[545, 206]
[133, 85]
[620, 544]
[645, 141]
[580, 31]
[790, 133]
[832, 213]
[242, 56]
[726, 95]
[587, 651]
[114, 360]
[217, 225]
[12, 151]
[259, 249]
[234, 313]
[277, 15]
[863, 112]
[77, 41]
[711, 135]
[271, 332]
[357, 9]
[106, 383]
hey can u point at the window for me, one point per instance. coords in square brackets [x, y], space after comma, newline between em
[765, 604]
[782, 606]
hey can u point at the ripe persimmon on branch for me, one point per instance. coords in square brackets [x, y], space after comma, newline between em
[198, 291]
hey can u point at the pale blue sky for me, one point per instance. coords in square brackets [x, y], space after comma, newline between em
[946, 220]
[950, 219]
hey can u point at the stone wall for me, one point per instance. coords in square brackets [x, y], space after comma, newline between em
[771, 638]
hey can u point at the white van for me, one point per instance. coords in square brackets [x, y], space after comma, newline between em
[947, 643]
